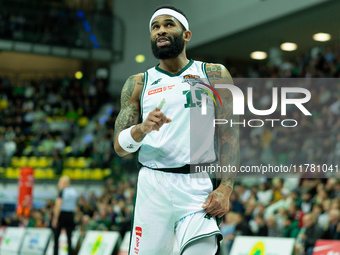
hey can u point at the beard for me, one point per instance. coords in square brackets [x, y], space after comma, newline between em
[172, 50]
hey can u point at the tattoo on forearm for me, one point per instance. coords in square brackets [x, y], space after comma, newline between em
[229, 182]
[129, 113]
[228, 136]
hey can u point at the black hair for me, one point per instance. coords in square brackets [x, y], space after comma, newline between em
[166, 6]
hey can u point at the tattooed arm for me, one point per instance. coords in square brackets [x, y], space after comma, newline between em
[130, 112]
[217, 203]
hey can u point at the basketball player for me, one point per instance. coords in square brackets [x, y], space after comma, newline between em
[170, 201]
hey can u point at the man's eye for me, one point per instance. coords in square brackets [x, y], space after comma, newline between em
[170, 25]
[155, 27]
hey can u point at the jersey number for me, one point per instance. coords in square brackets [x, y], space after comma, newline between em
[190, 100]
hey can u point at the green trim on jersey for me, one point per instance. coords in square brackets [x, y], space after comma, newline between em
[177, 74]
[196, 238]
[142, 94]
[133, 215]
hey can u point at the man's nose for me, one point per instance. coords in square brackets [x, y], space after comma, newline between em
[161, 31]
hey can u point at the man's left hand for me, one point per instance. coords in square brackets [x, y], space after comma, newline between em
[55, 223]
[217, 203]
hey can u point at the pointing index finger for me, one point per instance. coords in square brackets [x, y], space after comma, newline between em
[161, 103]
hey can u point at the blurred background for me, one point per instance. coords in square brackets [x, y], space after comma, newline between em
[63, 64]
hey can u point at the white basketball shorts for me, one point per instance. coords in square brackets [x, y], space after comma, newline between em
[167, 206]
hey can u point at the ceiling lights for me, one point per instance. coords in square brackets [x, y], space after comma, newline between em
[288, 46]
[258, 55]
[321, 37]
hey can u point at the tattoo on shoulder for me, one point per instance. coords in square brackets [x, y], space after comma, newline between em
[214, 71]
[140, 80]
[127, 91]
[218, 72]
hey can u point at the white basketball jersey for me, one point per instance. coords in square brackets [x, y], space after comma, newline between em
[189, 138]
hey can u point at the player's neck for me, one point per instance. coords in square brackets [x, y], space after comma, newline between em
[174, 65]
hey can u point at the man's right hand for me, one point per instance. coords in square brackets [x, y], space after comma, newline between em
[154, 121]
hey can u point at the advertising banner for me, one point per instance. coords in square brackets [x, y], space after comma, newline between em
[35, 241]
[99, 243]
[12, 240]
[63, 247]
[246, 245]
[2, 233]
[326, 247]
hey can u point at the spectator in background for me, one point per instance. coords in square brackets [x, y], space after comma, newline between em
[57, 164]
[273, 229]
[227, 230]
[244, 193]
[241, 227]
[309, 233]
[324, 216]
[87, 224]
[48, 144]
[103, 223]
[236, 205]
[2, 150]
[59, 144]
[333, 230]
[307, 203]
[291, 227]
[10, 148]
[261, 228]
[264, 195]
[284, 202]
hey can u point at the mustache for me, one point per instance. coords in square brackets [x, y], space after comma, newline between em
[170, 38]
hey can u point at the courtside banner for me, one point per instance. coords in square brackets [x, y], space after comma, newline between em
[99, 243]
[124, 247]
[246, 245]
[35, 241]
[263, 127]
[326, 247]
[63, 247]
[12, 240]
[2, 233]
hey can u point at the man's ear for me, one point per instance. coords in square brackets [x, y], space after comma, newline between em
[187, 35]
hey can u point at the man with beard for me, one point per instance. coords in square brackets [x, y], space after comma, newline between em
[170, 200]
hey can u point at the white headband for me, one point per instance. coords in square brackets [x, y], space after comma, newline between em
[172, 13]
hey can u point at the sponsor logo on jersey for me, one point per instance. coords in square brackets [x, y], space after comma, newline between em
[138, 231]
[191, 79]
[156, 82]
[130, 146]
[162, 89]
